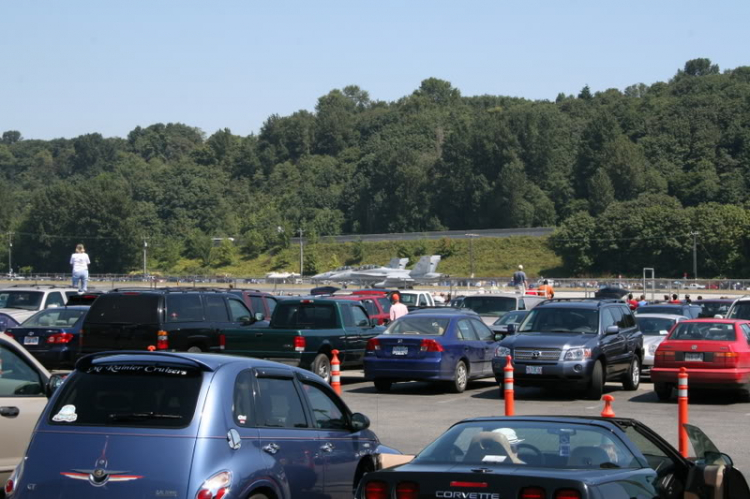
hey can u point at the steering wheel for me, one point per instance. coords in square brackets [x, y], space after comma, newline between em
[537, 458]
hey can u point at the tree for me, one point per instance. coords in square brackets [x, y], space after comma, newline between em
[601, 192]
[11, 137]
[700, 67]
[573, 241]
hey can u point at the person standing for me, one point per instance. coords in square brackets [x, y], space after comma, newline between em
[398, 309]
[546, 290]
[519, 280]
[80, 262]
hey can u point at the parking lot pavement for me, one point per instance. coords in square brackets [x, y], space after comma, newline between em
[413, 414]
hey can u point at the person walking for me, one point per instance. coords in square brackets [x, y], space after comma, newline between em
[80, 262]
[519, 280]
[398, 309]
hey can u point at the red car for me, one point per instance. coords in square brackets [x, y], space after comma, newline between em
[716, 353]
[377, 305]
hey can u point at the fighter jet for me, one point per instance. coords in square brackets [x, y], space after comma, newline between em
[423, 271]
[341, 274]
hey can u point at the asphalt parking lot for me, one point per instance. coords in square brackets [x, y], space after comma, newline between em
[415, 413]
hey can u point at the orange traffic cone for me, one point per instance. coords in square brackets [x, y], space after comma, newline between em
[608, 412]
[336, 372]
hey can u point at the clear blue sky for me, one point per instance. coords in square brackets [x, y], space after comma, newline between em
[73, 67]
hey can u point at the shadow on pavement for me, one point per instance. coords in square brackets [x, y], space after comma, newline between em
[560, 394]
[698, 397]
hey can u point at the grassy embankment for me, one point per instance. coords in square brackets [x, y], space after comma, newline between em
[493, 257]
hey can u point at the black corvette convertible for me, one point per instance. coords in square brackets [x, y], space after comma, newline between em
[539, 457]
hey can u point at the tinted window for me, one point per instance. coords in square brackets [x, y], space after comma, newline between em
[514, 317]
[408, 299]
[142, 395]
[141, 308]
[184, 308]
[560, 320]
[465, 331]
[740, 310]
[490, 305]
[279, 404]
[328, 413]
[54, 300]
[54, 317]
[710, 309]
[654, 326]
[655, 309]
[370, 306]
[17, 377]
[216, 310]
[271, 302]
[746, 331]
[609, 318]
[385, 304]
[418, 325]
[26, 300]
[242, 406]
[305, 316]
[626, 320]
[237, 310]
[359, 316]
[482, 330]
[346, 314]
[257, 304]
[716, 331]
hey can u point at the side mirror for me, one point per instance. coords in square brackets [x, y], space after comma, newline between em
[718, 316]
[54, 383]
[259, 316]
[612, 330]
[245, 320]
[363, 323]
[360, 422]
[499, 336]
[512, 328]
[373, 322]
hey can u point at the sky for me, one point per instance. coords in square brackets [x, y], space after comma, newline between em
[76, 66]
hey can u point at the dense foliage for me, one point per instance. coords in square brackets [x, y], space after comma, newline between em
[627, 175]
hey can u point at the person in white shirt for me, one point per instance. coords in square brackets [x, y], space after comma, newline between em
[398, 309]
[80, 262]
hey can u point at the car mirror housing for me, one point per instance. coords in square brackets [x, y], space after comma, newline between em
[54, 383]
[259, 316]
[511, 328]
[360, 422]
[718, 316]
[612, 330]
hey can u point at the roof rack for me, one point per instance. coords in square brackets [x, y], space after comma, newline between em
[38, 286]
[168, 289]
[589, 299]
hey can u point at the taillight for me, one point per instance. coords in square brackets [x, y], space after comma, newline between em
[532, 493]
[10, 487]
[376, 489]
[215, 487]
[222, 341]
[162, 340]
[664, 355]
[431, 346]
[407, 490]
[12, 483]
[59, 338]
[299, 343]
[373, 344]
[728, 358]
[567, 494]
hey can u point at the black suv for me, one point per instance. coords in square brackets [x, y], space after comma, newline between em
[166, 319]
[580, 343]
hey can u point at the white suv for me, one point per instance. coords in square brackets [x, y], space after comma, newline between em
[23, 301]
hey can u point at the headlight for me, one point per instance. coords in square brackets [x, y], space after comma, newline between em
[578, 354]
[502, 352]
[652, 349]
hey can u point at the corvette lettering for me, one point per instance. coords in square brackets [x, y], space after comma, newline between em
[450, 494]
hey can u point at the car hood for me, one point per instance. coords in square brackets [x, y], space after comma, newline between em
[18, 314]
[548, 340]
[652, 339]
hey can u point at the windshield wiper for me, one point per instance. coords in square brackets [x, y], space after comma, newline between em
[139, 416]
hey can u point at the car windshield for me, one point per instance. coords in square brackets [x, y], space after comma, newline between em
[418, 325]
[711, 308]
[740, 310]
[54, 317]
[556, 445]
[142, 395]
[654, 326]
[409, 299]
[26, 300]
[561, 320]
[712, 331]
[513, 317]
[496, 306]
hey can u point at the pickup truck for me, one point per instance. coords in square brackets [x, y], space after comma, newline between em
[416, 299]
[303, 333]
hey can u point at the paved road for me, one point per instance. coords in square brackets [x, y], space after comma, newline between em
[413, 414]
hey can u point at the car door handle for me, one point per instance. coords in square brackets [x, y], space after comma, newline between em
[9, 412]
[258, 335]
[327, 447]
[271, 448]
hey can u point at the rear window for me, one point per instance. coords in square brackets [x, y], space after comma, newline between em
[24, 300]
[304, 316]
[419, 326]
[139, 308]
[712, 331]
[654, 326]
[54, 317]
[660, 310]
[740, 310]
[496, 306]
[139, 395]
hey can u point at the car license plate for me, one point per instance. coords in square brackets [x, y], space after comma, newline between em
[533, 369]
[31, 340]
[693, 357]
[400, 350]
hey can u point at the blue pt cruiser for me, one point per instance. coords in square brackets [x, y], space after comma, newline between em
[194, 426]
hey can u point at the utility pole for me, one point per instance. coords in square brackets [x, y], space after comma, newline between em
[145, 246]
[471, 251]
[301, 269]
[695, 254]
[10, 254]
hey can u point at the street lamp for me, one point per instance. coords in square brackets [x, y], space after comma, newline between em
[471, 251]
[10, 254]
[301, 269]
[145, 245]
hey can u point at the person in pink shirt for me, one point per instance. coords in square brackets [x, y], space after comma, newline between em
[398, 309]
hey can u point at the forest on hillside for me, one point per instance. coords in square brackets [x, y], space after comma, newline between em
[627, 175]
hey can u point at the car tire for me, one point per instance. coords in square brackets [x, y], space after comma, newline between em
[322, 367]
[383, 385]
[460, 378]
[633, 377]
[663, 391]
[195, 349]
[596, 383]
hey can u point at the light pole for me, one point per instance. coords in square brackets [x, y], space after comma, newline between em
[471, 251]
[301, 269]
[10, 254]
[695, 254]
[145, 245]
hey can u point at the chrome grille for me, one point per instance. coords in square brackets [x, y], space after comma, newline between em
[537, 354]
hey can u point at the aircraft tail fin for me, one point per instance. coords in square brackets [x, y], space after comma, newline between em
[398, 263]
[434, 261]
[422, 266]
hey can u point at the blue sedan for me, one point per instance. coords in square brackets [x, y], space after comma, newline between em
[438, 346]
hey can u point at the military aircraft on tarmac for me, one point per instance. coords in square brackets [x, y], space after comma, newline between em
[281, 276]
[341, 272]
[423, 271]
